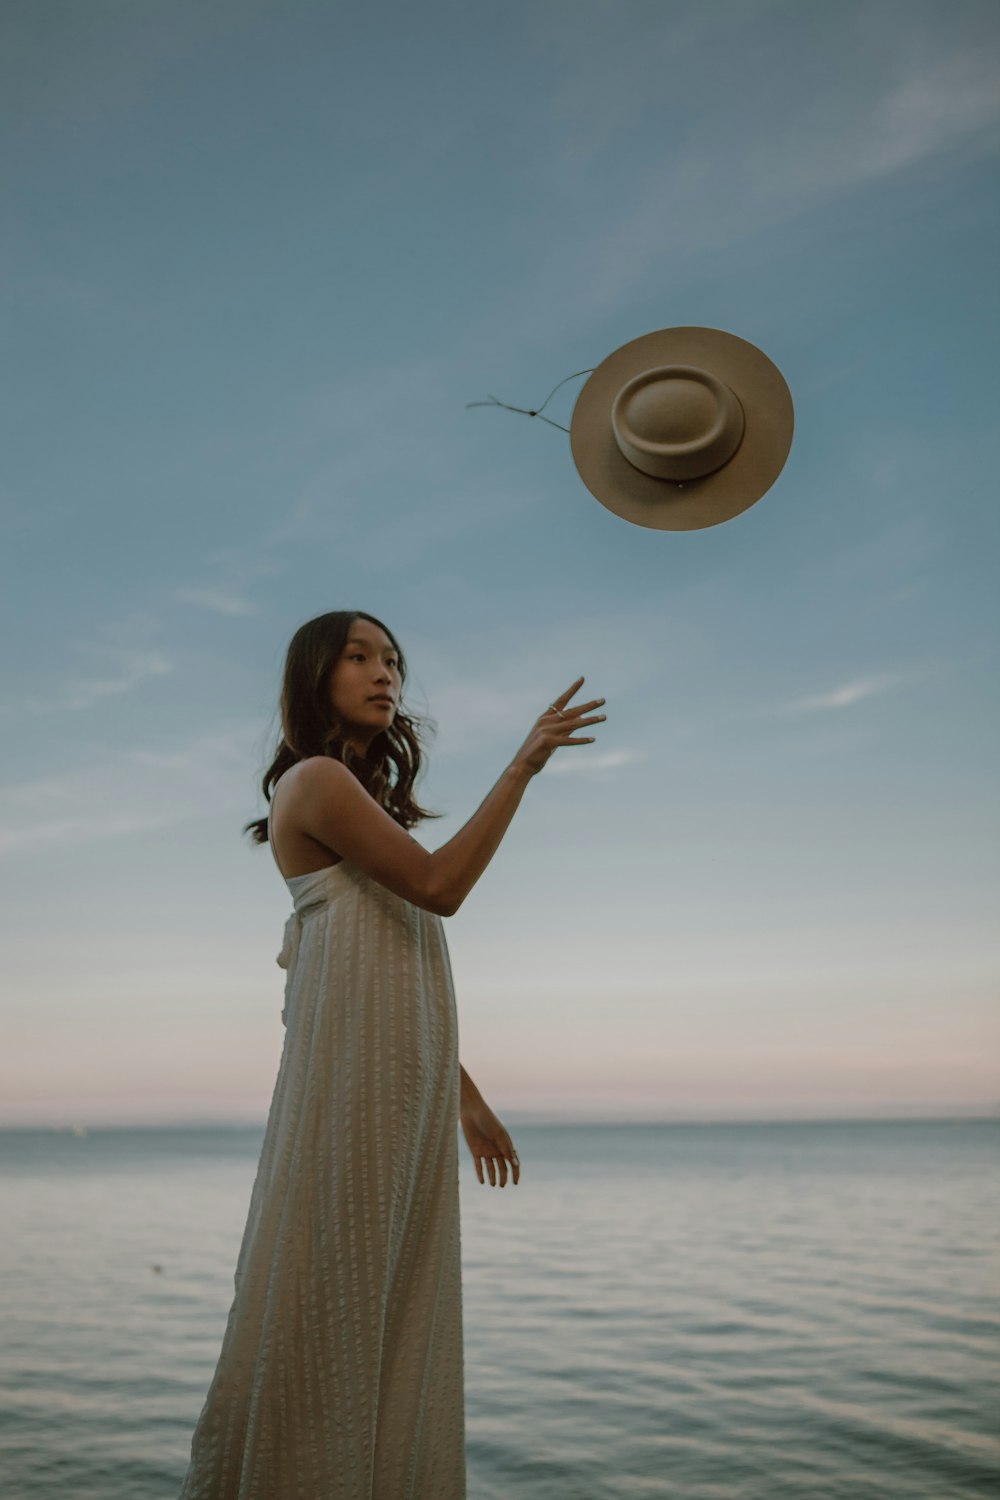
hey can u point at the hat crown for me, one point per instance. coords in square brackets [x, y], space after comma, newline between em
[677, 422]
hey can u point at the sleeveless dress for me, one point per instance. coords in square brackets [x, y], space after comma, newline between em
[341, 1371]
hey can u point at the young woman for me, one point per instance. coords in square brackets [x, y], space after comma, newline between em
[341, 1371]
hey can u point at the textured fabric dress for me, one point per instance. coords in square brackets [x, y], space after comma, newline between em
[341, 1372]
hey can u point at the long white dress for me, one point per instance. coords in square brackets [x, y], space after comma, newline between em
[341, 1372]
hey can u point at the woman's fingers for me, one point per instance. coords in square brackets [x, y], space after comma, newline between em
[497, 1163]
[576, 711]
[574, 718]
[578, 708]
[494, 1164]
[572, 725]
[564, 698]
[555, 728]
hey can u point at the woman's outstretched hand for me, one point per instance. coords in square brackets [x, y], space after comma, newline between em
[556, 727]
[489, 1141]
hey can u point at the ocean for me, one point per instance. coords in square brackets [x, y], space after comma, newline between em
[717, 1312]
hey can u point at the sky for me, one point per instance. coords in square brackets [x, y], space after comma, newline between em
[259, 257]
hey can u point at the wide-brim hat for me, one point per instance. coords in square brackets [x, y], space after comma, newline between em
[682, 428]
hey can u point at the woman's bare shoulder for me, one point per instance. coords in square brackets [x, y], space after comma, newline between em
[313, 774]
[316, 765]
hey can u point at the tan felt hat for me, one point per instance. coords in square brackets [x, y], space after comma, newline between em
[682, 428]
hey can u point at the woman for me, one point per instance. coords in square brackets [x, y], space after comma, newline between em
[341, 1372]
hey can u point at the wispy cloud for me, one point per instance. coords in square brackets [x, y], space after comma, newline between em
[845, 696]
[880, 101]
[128, 670]
[204, 756]
[588, 763]
[488, 686]
[133, 791]
[125, 669]
[935, 105]
[220, 600]
[55, 833]
[233, 573]
[344, 422]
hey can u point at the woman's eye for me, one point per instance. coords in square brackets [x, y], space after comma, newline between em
[391, 661]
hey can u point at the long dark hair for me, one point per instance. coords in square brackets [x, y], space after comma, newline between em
[311, 726]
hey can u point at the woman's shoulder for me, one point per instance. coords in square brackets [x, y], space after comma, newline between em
[314, 771]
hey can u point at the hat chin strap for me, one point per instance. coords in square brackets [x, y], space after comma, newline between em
[677, 422]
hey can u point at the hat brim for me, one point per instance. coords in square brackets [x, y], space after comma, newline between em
[662, 504]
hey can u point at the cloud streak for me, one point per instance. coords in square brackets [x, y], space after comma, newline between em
[129, 670]
[680, 187]
[132, 792]
[219, 600]
[492, 684]
[126, 669]
[588, 763]
[845, 696]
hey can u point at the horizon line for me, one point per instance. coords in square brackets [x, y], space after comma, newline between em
[951, 1117]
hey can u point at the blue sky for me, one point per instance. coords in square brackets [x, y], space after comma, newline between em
[259, 258]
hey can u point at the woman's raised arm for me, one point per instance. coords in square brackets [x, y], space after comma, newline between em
[332, 806]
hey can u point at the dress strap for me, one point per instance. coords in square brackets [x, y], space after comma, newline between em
[270, 840]
[270, 807]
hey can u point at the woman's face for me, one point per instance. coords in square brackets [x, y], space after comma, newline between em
[365, 683]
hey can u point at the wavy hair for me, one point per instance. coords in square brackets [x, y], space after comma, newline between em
[311, 726]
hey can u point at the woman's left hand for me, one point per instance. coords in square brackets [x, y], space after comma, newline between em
[487, 1139]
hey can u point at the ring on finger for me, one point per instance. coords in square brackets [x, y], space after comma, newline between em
[557, 711]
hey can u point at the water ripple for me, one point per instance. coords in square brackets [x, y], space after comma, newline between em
[772, 1313]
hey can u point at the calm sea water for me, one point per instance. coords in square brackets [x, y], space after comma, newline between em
[706, 1313]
